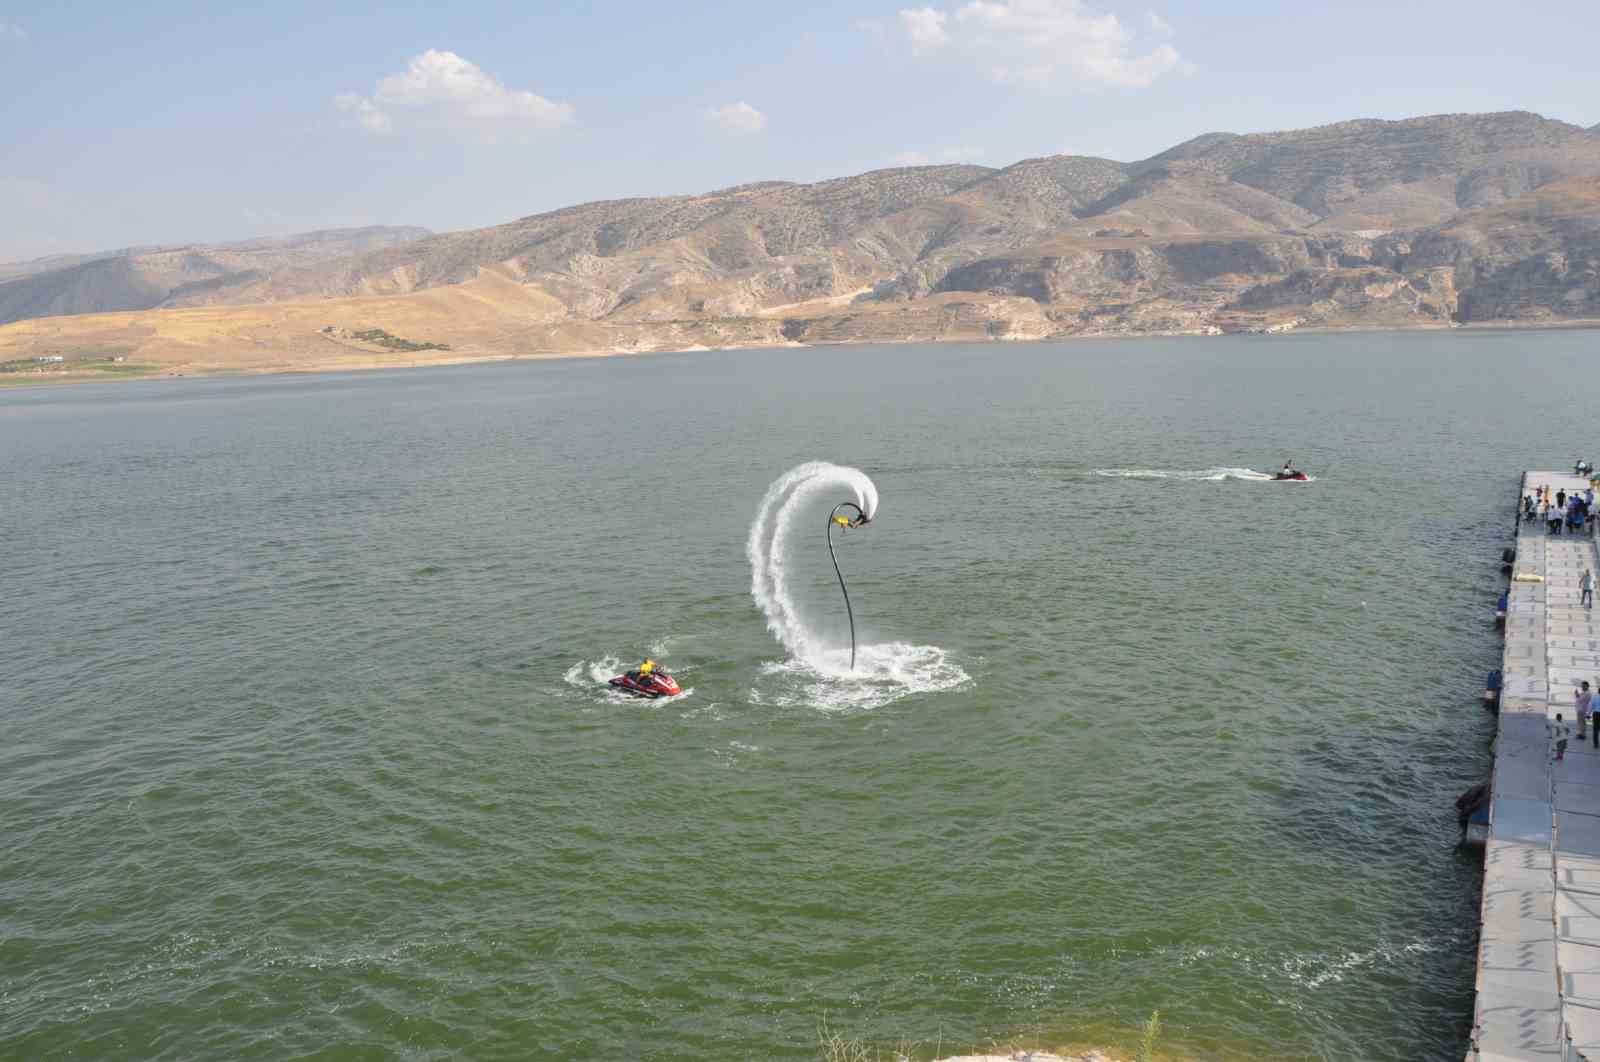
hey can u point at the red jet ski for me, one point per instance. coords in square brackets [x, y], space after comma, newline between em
[649, 682]
[1296, 476]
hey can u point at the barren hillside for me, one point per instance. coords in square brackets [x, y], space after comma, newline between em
[1425, 222]
[138, 278]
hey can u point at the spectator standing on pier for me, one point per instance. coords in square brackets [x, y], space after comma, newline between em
[1558, 730]
[1561, 499]
[1586, 586]
[1583, 702]
[1552, 519]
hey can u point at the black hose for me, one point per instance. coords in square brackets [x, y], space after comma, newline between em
[832, 519]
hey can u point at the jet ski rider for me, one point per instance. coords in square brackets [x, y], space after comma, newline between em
[1288, 469]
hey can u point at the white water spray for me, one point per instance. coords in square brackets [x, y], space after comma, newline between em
[769, 538]
[885, 671]
[1214, 475]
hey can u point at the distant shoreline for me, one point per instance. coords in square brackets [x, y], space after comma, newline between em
[378, 362]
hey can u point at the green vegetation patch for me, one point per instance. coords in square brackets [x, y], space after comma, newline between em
[393, 342]
[48, 368]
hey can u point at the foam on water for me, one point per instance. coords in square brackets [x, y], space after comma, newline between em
[884, 672]
[1311, 970]
[589, 672]
[1215, 475]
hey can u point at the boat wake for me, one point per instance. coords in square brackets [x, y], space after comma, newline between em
[817, 673]
[1212, 475]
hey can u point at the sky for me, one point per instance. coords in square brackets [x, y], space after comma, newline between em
[164, 123]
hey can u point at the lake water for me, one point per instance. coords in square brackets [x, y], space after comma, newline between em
[304, 748]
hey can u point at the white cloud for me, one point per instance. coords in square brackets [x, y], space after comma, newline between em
[1157, 23]
[10, 31]
[740, 118]
[440, 92]
[366, 114]
[925, 27]
[1041, 41]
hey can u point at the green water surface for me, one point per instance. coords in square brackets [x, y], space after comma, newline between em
[301, 752]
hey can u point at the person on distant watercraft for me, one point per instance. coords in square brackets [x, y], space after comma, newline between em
[646, 667]
[1288, 469]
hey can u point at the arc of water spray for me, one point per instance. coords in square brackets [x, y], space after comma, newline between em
[767, 546]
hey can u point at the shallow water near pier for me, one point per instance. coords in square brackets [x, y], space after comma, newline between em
[307, 746]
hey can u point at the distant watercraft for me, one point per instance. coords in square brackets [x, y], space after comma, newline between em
[1296, 475]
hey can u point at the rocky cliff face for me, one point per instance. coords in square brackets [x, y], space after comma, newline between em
[1424, 222]
[1534, 259]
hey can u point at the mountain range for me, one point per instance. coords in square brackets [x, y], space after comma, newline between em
[142, 278]
[1431, 222]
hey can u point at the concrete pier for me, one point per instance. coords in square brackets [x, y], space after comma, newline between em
[1538, 986]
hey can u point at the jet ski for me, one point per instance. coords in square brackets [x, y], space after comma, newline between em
[1296, 476]
[652, 684]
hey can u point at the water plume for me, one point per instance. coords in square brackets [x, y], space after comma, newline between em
[816, 672]
[769, 538]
